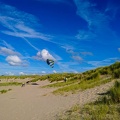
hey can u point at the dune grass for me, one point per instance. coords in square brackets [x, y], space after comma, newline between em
[114, 92]
[92, 112]
[80, 86]
[90, 79]
[105, 108]
[62, 83]
[19, 77]
[4, 91]
[10, 84]
[35, 79]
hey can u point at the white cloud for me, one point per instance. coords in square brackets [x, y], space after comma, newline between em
[43, 72]
[66, 66]
[7, 45]
[21, 24]
[44, 55]
[9, 73]
[19, 28]
[14, 60]
[112, 6]
[68, 47]
[95, 63]
[6, 51]
[26, 32]
[77, 58]
[54, 71]
[86, 53]
[75, 71]
[21, 73]
[90, 14]
[102, 62]
[85, 35]
[13, 57]
[75, 55]
[98, 23]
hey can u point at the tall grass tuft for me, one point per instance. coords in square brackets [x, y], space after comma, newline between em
[10, 84]
[4, 91]
[114, 92]
[116, 73]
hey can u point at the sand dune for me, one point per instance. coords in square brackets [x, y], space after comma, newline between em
[33, 102]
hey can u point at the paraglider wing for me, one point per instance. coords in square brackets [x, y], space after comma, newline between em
[50, 62]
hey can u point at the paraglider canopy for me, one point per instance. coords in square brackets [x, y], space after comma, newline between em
[50, 62]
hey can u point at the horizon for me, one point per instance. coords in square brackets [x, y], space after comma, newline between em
[79, 35]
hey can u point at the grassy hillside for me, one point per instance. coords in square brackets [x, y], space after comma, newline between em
[85, 80]
[105, 108]
[78, 81]
[109, 71]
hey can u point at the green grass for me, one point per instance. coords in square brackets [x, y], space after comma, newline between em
[35, 79]
[4, 91]
[81, 86]
[114, 92]
[18, 77]
[61, 84]
[92, 112]
[105, 108]
[10, 84]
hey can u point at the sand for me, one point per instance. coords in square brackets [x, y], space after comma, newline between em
[33, 102]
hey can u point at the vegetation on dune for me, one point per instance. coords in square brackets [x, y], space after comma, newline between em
[50, 77]
[18, 77]
[36, 78]
[78, 81]
[61, 76]
[4, 91]
[80, 86]
[105, 108]
[10, 84]
[62, 83]
[114, 93]
[84, 80]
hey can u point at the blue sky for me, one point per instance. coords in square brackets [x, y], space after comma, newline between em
[78, 35]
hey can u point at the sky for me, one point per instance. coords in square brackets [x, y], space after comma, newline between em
[79, 35]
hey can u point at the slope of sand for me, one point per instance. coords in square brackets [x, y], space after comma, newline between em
[35, 103]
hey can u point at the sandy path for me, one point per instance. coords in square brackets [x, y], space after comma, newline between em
[35, 103]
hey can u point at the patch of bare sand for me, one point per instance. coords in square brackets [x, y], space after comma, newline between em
[35, 103]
